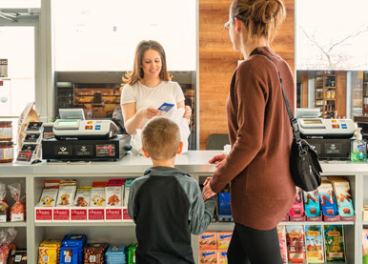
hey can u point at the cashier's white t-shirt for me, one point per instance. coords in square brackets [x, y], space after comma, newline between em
[166, 92]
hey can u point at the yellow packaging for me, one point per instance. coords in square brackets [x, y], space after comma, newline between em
[223, 239]
[47, 255]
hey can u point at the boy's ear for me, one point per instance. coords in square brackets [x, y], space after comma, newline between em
[145, 153]
[180, 149]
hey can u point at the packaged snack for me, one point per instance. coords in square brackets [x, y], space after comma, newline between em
[52, 183]
[365, 246]
[128, 182]
[131, 253]
[208, 256]
[66, 195]
[23, 199]
[116, 254]
[7, 236]
[295, 244]
[17, 210]
[94, 253]
[83, 196]
[18, 256]
[311, 203]
[222, 256]
[334, 243]
[223, 239]
[281, 232]
[207, 240]
[113, 195]
[49, 196]
[297, 209]
[4, 207]
[314, 243]
[343, 196]
[327, 199]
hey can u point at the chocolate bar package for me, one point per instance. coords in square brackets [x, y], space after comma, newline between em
[343, 196]
[295, 244]
[113, 195]
[49, 196]
[207, 240]
[327, 199]
[311, 203]
[83, 196]
[314, 243]
[281, 232]
[66, 195]
[98, 196]
[334, 242]
[297, 209]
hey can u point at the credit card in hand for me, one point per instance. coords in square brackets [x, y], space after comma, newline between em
[165, 107]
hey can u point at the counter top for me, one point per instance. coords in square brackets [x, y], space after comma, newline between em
[191, 161]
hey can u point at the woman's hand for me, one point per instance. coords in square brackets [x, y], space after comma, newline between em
[207, 192]
[188, 112]
[218, 159]
[150, 112]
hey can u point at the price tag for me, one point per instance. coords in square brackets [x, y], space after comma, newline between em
[17, 217]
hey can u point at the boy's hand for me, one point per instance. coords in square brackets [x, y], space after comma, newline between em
[188, 112]
[207, 192]
[149, 112]
[218, 159]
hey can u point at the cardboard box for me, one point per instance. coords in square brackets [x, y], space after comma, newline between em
[207, 240]
[96, 214]
[208, 256]
[78, 214]
[43, 214]
[113, 214]
[126, 217]
[61, 214]
[223, 239]
[222, 256]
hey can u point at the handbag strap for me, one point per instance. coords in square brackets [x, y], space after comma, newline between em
[293, 121]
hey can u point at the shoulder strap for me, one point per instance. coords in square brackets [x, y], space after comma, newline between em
[293, 121]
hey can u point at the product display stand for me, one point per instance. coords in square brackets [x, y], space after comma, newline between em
[30, 233]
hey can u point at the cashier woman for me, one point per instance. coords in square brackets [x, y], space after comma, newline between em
[148, 86]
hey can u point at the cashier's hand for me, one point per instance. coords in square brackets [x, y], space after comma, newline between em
[207, 192]
[149, 112]
[218, 159]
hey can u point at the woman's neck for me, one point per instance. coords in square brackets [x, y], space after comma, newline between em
[247, 48]
[151, 82]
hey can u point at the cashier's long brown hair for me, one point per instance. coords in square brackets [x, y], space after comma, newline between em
[137, 73]
[261, 18]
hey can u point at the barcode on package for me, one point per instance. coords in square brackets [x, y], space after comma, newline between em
[45, 258]
[92, 258]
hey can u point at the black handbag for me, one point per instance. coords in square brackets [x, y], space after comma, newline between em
[304, 165]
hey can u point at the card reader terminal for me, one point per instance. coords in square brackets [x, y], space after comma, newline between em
[326, 128]
[84, 129]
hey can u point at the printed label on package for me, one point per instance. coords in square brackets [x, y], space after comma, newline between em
[96, 214]
[60, 214]
[44, 214]
[78, 214]
[113, 214]
[105, 150]
[83, 150]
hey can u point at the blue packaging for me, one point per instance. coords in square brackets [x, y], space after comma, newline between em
[311, 203]
[224, 205]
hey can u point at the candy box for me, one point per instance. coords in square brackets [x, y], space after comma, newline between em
[48, 255]
[311, 203]
[222, 256]
[314, 243]
[127, 185]
[83, 196]
[208, 256]
[295, 244]
[297, 209]
[327, 199]
[66, 195]
[113, 196]
[223, 239]
[49, 196]
[281, 232]
[343, 196]
[98, 197]
[207, 240]
[334, 243]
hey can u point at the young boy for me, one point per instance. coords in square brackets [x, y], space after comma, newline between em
[166, 203]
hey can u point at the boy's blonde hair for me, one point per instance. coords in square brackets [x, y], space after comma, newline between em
[161, 138]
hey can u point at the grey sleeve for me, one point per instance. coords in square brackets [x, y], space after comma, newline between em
[134, 188]
[200, 212]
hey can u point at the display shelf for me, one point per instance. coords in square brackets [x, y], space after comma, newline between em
[318, 223]
[69, 224]
[13, 224]
[193, 162]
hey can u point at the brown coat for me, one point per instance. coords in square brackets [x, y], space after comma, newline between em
[262, 190]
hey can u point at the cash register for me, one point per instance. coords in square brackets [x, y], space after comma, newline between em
[331, 138]
[85, 140]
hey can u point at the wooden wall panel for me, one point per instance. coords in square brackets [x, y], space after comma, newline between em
[218, 60]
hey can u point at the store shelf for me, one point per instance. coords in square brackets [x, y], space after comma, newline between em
[13, 224]
[102, 224]
[318, 223]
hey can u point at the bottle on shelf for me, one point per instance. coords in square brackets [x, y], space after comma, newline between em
[358, 148]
